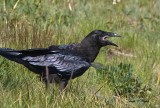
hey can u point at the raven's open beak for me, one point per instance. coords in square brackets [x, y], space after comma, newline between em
[108, 35]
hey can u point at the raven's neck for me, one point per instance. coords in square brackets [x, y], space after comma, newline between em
[88, 51]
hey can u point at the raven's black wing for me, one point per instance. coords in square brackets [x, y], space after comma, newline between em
[59, 59]
[60, 63]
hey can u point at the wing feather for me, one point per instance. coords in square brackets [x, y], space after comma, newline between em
[63, 63]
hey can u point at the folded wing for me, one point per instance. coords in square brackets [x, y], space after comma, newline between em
[58, 59]
[64, 64]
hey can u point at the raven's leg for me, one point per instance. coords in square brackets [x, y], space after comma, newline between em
[47, 77]
[46, 83]
[63, 83]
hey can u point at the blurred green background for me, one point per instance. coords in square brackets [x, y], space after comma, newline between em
[130, 75]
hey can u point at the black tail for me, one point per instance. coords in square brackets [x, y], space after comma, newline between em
[10, 54]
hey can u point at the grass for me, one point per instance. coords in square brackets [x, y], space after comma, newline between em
[122, 82]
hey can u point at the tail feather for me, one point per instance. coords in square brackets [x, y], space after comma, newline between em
[6, 49]
[10, 54]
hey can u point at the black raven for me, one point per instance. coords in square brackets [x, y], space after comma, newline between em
[60, 63]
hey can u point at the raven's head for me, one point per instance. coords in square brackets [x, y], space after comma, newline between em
[100, 38]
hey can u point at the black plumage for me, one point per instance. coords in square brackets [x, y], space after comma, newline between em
[63, 62]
